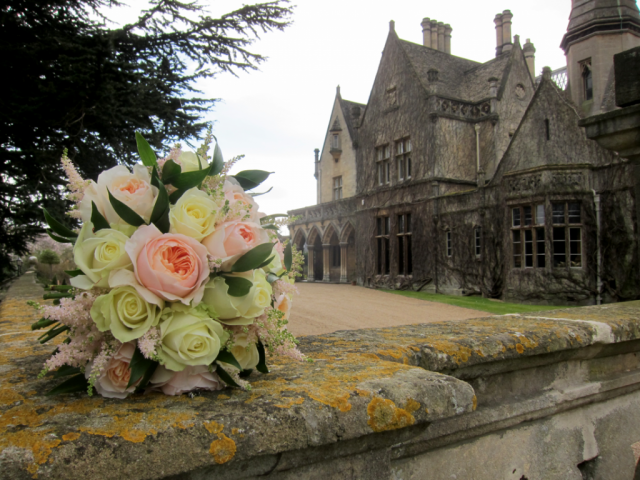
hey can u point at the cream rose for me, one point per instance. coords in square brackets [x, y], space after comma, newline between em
[128, 310]
[232, 239]
[189, 379]
[239, 310]
[172, 266]
[245, 352]
[189, 337]
[97, 255]
[194, 214]
[112, 381]
[132, 189]
[188, 161]
[239, 201]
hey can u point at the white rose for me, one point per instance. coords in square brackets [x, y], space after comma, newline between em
[132, 189]
[194, 214]
[239, 310]
[128, 310]
[189, 338]
[245, 352]
[97, 255]
[188, 161]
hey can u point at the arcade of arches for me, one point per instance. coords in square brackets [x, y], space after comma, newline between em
[329, 250]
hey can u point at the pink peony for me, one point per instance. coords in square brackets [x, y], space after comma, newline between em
[235, 238]
[171, 265]
[191, 378]
[112, 381]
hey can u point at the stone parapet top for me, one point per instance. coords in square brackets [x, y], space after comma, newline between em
[360, 383]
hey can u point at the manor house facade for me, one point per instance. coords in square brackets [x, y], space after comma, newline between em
[475, 178]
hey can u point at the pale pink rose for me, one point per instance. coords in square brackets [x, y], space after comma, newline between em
[283, 303]
[191, 378]
[235, 193]
[112, 382]
[171, 265]
[235, 238]
[132, 189]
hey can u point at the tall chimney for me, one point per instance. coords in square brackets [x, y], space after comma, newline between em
[441, 36]
[426, 32]
[447, 38]
[498, 22]
[434, 34]
[506, 31]
[530, 57]
[317, 161]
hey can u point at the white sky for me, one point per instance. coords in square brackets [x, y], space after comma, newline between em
[278, 115]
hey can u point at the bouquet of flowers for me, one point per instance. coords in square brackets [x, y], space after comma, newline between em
[182, 284]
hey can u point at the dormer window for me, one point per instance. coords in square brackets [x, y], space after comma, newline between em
[335, 141]
[587, 79]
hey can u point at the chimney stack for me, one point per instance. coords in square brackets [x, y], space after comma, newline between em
[316, 162]
[530, 57]
[441, 36]
[434, 34]
[447, 38]
[426, 32]
[506, 31]
[498, 22]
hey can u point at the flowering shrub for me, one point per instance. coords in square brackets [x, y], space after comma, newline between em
[181, 283]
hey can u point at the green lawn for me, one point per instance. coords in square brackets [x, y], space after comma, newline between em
[476, 303]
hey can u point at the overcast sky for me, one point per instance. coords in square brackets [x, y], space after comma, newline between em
[277, 116]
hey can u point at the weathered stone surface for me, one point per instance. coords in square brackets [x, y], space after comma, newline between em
[340, 396]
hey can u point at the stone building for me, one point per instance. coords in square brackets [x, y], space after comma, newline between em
[475, 178]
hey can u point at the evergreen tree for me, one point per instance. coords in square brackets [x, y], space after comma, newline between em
[71, 82]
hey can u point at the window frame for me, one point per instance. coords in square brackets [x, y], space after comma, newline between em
[528, 236]
[383, 164]
[448, 243]
[405, 249]
[337, 188]
[568, 226]
[383, 247]
[403, 151]
[477, 241]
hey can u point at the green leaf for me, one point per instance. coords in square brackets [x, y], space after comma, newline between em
[49, 296]
[60, 239]
[139, 366]
[217, 164]
[269, 218]
[272, 277]
[253, 258]
[175, 196]
[74, 273]
[52, 333]
[61, 288]
[147, 376]
[238, 286]
[249, 179]
[57, 227]
[227, 357]
[245, 373]
[74, 384]
[170, 171]
[188, 180]
[147, 155]
[288, 256]
[262, 362]
[99, 222]
[160, 213]
[225, 377]
[271, 226]
[253, 194]
[125, 213]
[155, 180]
[66, 370]
[266, 262]
[42, 323]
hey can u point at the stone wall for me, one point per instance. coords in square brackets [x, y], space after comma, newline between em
[523, 397]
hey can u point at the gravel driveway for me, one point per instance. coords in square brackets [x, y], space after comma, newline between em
[323, 308]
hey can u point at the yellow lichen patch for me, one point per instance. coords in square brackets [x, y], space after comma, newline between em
[70, 437]
[519, 348]
[372, 356]
[384, 415]
[223, 449]
[391, 353]
[253, 396]
[290, 402]
[221, 397]
[234, 431]
[412, 405]
[475, 403]
[213, 427]
[135, 436]
[363, 393]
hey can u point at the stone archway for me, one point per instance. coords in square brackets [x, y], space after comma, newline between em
[315, 260]
[347, 254]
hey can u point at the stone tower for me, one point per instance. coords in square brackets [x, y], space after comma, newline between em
[597, 30]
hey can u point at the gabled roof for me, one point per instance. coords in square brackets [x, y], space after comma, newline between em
[346, 106]
[457, 77]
